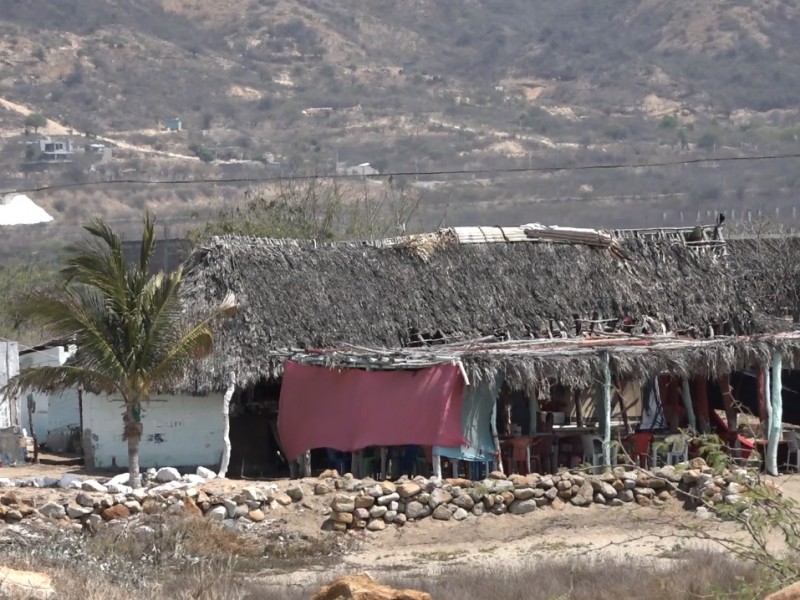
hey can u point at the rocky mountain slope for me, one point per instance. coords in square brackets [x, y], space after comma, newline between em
[428, 85]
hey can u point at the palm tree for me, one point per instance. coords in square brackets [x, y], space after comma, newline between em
[131, 331]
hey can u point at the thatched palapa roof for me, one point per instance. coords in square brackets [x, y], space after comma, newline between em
[461, 284]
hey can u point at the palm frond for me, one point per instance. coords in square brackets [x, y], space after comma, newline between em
[193, 344]
[51, 379]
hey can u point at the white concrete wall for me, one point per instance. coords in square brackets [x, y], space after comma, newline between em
[178, 431]
[10, 409]
[56, 415]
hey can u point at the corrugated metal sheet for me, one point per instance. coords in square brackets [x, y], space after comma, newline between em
[488, 235]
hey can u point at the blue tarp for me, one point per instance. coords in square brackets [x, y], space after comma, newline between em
[480, 399]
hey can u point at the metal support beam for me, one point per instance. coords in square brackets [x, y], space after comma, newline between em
[687, 403]
[776, 414]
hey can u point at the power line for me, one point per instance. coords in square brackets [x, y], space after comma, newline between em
[495, 171]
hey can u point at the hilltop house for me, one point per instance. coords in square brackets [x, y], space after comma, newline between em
[545, 311]
[173, 124]
[50, 150]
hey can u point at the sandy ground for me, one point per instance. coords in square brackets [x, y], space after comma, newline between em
[429, 547]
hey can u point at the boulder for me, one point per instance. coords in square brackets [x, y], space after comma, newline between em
[584, 496]
[283, 498]
[460, 514]
[376, 525]
[329, 474]
[25, 584]
[167, 474]
[362, 514]
[464, 501]
[256, 515]
[377, 512]
[497, 475]
[384, 500]
[521, 507]
[118, 511]
[5, 482]
[441, 513]
[363, 501]
[51, 510]
[295, 492]
[342, 517]
[118, 488]
[85, 500]
[523, 493]
[68, 481]
[205, 473]
[90, 485]
[343, 503]
[253, 494]
[218, 513]
[363, 587]
[607, 490]
[408, 489]
[321, 488]
[417, 510]
[75, 511]
[439, 496]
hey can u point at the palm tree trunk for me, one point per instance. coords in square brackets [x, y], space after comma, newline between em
[132, 432]
[133, 460]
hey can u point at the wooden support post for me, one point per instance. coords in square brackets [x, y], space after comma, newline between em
[498, 453]
[701, 393]
[384, 458]
[731, 412]
[576, 400]
[674, 415]
[687, 404]
[533, 407]
[619, 386]
[606, 411]
[437, 465]
[762, 409]
[776, 417]
[226, 430]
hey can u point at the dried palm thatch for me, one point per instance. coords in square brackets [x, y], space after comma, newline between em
[408, 291]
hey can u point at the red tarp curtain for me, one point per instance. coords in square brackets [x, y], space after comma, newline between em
[350, 409]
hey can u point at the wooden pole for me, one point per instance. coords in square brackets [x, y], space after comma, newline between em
[498, 455]
[619, 387]
[762, 410]
[687, 403]
[701, 388]
[576, 399]
[226, 433]
[674, 424]
[606, 411]
[731, 412]
[776, 420]
[533, 405]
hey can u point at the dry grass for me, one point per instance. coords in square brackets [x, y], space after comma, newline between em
[196, 558]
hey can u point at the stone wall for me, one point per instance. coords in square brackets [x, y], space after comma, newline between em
[348, 503]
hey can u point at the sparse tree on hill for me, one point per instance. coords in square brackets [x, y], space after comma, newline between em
[129, 327]
[35, 121]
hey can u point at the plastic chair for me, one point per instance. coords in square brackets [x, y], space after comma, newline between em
[593, 450]
[678, 449]
[520, 455]
[793, 443]
[637, 446]
[542, 450]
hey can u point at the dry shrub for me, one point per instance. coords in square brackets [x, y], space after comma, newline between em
[696, 574]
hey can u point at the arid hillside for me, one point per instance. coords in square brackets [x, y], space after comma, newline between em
[275, 86]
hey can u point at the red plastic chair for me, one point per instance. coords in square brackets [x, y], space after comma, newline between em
[542, 454]
[520, 457]
[637, 445]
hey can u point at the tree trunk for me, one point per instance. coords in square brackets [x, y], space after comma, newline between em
[132, 433]
[133, 460]
[226, 432]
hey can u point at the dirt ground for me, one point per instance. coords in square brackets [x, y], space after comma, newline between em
[430, 547]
